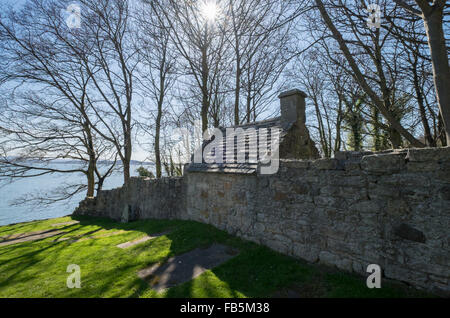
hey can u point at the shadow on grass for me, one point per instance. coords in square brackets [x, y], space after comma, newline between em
[27, 260]
[108, 271]
[257, 271]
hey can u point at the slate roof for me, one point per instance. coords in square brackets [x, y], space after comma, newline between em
[251, 154]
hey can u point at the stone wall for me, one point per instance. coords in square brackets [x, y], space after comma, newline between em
[140, 199]
[390, 209]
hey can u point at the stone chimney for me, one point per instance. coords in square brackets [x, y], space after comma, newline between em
[292, 105]
[297, 143]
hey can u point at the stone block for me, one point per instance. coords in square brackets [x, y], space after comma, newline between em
[351, 166]
[344, 264]
[306, 252]
[444, 193]
[358, 267]
[385, 163]
[328, 258]
[366, 207]
[428, 166]
[325, 164]
[340, 155]
[349, 181]
[300, 188]
[280, 196]
[429, 154]
[397, 207]
[325, 201]
[296, 164]
[277, 245]
[409, 233]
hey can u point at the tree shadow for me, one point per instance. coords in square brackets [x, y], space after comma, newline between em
[27, 260]
[255, 272]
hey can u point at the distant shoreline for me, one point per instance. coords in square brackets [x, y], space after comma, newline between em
[31, 212]
[68, 161]
[36, 220]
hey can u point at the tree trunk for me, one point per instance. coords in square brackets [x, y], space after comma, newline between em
[158, 122]
[337, 143]
[128, 146]
[441, 72]
[92, 161]
[441, 131]
[394, 135]
[127, 158]
[249, 103]
[91, 180]
[321, 129]
[204, 113]
[237, 91]
[377, 138]
[249, 109]
[395, 138]
[126, 172]
[100, 184]
[423, 115]
[157, 137]
[205, 76]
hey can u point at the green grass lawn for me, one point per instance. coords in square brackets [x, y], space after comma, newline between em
[38, 269]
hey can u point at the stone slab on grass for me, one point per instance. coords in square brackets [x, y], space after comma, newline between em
[141, 240]
[185, 267]
[65, 223]
[135, 242]
[32, 236]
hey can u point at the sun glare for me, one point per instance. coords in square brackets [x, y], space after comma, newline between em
[209, 10]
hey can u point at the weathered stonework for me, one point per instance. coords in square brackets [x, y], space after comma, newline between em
[140, 199]
[390, 209]
[297, 144]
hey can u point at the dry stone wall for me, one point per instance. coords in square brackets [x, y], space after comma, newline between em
[390, 209]
[140, 199]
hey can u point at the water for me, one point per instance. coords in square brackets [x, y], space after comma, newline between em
[44, 184]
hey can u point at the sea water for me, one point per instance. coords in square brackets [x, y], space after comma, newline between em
[42, 185]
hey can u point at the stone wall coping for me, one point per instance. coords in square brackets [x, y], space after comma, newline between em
[291, 92]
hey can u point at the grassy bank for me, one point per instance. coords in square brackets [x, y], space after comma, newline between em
[38, 268]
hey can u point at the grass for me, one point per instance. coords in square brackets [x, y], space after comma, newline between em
[38, 269]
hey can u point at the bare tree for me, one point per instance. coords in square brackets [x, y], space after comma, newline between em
[432, 15]
[383, 103]
[47, 115]
[111, 64]
[258, 38]
[157, 57]
[201, 46]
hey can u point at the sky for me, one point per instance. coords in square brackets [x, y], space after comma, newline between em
[139, 153]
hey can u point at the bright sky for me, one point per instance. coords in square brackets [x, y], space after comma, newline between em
[210, 10]
[138, 153]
